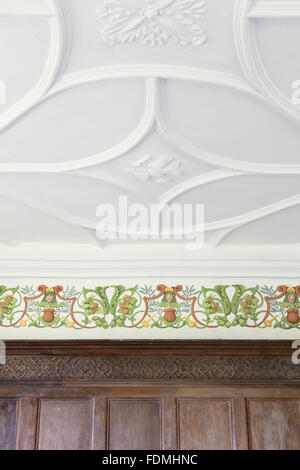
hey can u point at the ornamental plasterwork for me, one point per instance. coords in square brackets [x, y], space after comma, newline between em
[153, 22]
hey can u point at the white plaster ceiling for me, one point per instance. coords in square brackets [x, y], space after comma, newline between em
[85, 101]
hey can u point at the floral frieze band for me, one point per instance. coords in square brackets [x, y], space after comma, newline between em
[222, 306]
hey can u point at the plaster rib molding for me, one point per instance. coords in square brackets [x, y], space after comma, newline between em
[168, 131]
[174, 72]
[155, 23]
[150, 114]
[276, 9]
[107, 73]
[259, 87]
[220, 235]
[196, 182]
[63, 215]
[119, 149]
[251, 62]
[58, 29]
[239, 220]
[153, 112]
[251, 216]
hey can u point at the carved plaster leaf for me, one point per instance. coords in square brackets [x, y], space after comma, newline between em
[154, 22]
[161, 170]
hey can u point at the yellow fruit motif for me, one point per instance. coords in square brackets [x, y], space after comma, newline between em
[192, 324]
[268, 323]
[23, 322]
[69, 324]
[145, 323]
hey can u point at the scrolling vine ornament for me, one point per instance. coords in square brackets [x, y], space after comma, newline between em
[153, 22]
[118, 306]
[49, 304]
[290, 304]
[169, 302]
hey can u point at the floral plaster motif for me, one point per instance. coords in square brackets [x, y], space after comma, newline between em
[161, 170]
[154, 22]
[118, 306]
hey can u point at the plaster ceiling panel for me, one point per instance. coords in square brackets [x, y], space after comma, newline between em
[72, 198]
[241, 195]
[135, 167]
[79, 123]
[24, 47]
[280, 228]
[279, 48]
[194, 33]
[21, 223]
[209, 124]
[221, 124]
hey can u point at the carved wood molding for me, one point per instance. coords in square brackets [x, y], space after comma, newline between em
[94, 348]
[146, 368]
[142, 361]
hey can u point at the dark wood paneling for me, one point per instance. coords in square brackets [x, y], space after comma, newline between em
[205, 424]
[65, 424]
[134, 424]
[144, 369]
[274, 424]
[8, 423]
[27, 420]
[142, 347]
[149, 395]
[150, 417]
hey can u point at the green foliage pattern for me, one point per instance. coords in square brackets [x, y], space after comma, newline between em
[117, 306]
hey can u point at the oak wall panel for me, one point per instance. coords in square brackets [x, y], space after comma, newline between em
[274, 424]
[8, 423]
[65, 424]
[205, 424]
[134, 424]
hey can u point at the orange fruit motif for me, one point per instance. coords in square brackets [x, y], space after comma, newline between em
[293, 315]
